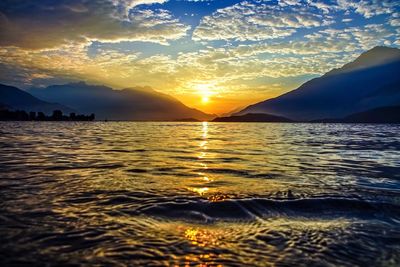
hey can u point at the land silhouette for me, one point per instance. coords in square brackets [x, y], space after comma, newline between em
[21, 115]
[253, 117]
[377, 115]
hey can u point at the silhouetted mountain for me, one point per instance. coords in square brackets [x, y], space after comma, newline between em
[17, 99]
[371, 81]
[377, 115]
[4, 107]
[21, 115]
[232, 112]
[253, 117]
[126, 104]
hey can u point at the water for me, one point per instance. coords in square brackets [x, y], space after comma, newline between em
[199, 194]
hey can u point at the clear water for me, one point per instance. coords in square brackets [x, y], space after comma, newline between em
[199, 194]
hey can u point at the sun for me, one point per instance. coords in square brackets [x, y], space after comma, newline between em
[205, 99]
[205, 91]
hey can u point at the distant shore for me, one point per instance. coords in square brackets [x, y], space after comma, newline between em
[21, 115]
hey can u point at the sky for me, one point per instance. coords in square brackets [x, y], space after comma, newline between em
[214, 55]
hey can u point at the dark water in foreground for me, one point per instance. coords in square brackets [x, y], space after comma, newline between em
[239, 194]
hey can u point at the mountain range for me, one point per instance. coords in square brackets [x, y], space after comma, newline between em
[105, 102]
[126, 104]
[13, 98]
[370, 81]
[376, 115]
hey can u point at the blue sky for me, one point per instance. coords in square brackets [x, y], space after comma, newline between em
[228, 52]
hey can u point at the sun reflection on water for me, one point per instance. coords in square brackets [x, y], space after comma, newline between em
[202, 188]
[201, 191]
[201, 237]
[203, 184]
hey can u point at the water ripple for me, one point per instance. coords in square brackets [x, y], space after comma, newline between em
[199, 194]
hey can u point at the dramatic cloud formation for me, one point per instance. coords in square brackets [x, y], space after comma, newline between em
[46, 24]
[238, 52]
[258, 21]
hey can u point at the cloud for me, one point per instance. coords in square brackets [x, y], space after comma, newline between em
[124, 6]
[258, 20]
[289, 2]
[325, 6]
[368, 8]
[394, 20]
[46, 24]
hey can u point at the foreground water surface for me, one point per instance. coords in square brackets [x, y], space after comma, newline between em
[199, 194]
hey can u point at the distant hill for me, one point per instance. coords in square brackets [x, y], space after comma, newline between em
[377, 115]
[253, 117]
[371, 81]
[126, 104]
[17, 99]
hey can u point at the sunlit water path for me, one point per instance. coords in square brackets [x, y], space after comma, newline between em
[239, 194]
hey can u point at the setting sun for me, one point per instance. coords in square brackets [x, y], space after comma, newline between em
[205, 90]
[205, 99]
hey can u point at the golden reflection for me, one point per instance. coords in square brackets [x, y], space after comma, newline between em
[218, 197]
[212, 197]
[201, 259]
[203, 144]
[202, 155]
[205, 178]
[299, 233]
[203, 165]
[201, 237]
[205, 129]
[201, 191]
[202, 187]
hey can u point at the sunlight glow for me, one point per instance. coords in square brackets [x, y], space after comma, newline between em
[205, 99]
[205, 91]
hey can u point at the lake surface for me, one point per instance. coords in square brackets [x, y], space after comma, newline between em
[199, 194]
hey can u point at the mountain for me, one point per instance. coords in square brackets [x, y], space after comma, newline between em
[231, 112]
[126, 104]
[371, 81]
[377, 115]
[17, 99]
[4, 107]
[253, 117]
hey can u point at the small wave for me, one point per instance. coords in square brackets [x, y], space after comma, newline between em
[84, 166]
[136, 170]
[224, 171]
[118, 150]
[249, 209]
[185, 158]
